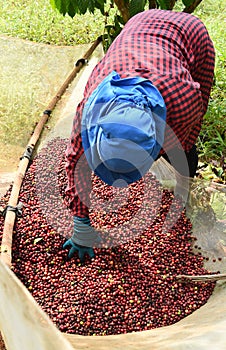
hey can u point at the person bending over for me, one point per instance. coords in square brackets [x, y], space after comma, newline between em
[146, 98]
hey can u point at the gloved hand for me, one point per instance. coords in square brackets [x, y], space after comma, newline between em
[76, 248]
[82, 240]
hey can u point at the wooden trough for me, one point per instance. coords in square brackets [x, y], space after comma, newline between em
[24, 325]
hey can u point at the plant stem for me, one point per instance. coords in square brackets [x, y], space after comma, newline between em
[201, 278]
[152, 4]
[192, 7]
[123, 9]
[172, 3]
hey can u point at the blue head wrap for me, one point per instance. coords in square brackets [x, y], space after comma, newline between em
[123, 125]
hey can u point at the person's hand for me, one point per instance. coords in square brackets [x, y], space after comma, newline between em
[83, 239]
[80, 250]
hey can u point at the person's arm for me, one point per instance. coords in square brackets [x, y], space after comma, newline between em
[77, 194]
[78, 171]
[83, 239]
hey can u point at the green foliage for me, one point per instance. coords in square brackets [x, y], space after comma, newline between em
[188, 2]
[38, 21]
[73, 7]
[136, 6]
[125, 9]
[212, 139]
[164, 4]
[111, 31]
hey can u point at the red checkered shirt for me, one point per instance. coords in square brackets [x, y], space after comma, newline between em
[174, 51]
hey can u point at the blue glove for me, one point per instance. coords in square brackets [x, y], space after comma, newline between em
[75, 248]
[82, 240]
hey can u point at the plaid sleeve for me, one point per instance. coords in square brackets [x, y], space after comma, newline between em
[202, 70]
[184, 113]
[78, 171]
[187, 94]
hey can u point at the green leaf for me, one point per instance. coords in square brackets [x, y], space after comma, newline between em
[188, 2]
[100, 5]
[136, 6]
[86, 5]
[164, 4]
[61, 5]
[73, 7]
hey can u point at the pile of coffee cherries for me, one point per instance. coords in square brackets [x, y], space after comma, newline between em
[131, 284]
